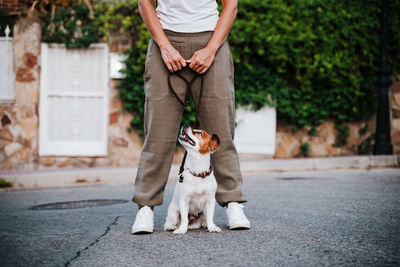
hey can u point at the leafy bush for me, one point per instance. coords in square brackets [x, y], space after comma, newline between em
[124, 18]
[72, 25]
[316, 58]
[304, 149]
[325, 52]
[4, 183]
[6, 20]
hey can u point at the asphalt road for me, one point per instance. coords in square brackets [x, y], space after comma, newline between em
[298, 219]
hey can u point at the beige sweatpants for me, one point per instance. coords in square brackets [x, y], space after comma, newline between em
[163, 115]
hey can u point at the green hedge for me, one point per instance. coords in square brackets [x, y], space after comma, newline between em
[313, 59]
[317, 58]
[70, 24]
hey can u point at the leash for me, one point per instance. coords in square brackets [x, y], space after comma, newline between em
[185, 102]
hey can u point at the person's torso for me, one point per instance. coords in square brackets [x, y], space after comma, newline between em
[188, 15]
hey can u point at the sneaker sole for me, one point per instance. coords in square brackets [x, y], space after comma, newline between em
[239, 227]
[142, 231]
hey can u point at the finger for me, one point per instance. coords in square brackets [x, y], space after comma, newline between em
[199, 69]
[169, 67]
[196, 67]
[174, 67]
[183, 62]
[204, 70]
[177, 65]
[192, 64]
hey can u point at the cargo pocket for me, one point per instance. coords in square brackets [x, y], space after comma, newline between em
[155, 74]
[223, 69]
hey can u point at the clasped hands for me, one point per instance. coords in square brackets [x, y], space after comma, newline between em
[200, 61]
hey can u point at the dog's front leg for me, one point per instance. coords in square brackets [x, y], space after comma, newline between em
[210, 207]
[184, 210]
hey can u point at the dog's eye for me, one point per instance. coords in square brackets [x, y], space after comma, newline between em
[199, 133]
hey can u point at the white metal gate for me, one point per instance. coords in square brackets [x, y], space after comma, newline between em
[6, 67]
[73, 101]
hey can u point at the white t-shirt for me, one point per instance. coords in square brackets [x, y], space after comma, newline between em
[188, 15]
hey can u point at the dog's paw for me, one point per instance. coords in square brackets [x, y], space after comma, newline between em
[214, 229]
[170, 227]
[180, 230]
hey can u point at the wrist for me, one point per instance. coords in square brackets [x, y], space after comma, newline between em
[165, 45]
[213, 48]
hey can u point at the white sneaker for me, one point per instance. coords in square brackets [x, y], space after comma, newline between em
[144, 222]
[236, 218]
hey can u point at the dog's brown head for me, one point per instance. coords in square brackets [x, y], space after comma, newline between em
[198, 140]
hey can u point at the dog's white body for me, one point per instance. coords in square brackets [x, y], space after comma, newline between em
[195, 196]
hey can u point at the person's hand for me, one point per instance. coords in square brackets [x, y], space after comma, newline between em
[172, 59]
[201, 60]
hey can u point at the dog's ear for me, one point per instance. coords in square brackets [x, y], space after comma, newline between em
[214, 143]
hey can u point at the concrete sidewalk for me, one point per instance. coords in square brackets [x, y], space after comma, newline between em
[317, 218]
[68, 177]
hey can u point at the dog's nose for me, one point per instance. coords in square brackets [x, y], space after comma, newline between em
[185, 126]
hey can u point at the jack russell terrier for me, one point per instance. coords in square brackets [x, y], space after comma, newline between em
[193, 203]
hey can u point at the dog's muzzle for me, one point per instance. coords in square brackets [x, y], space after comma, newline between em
[185, 137]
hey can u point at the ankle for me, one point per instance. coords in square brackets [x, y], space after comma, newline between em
[227, 203]
[141, 206]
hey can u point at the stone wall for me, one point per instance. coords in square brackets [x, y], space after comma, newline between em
[395, 108]
[19, 124]
[288, 143]
[19, 121]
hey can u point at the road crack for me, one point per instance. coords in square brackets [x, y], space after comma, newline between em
[79, 253]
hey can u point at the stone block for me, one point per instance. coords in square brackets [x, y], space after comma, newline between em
[30, 60]
[24, 111]
[114, 117]
[317, 148]
[287, 145]
[115, 104]
[6, 134]
[327, 132]
[121, 142]
[12, 148]
[29, 127]
[100, 162]
[3, 143]
[65, 163]
[81, 163]
[24, 75]
[135, 141]
[126, 120]
[26, 93]
[15, 130]
[27, 38]
[396, 132]
[25, 154]
[47, 161]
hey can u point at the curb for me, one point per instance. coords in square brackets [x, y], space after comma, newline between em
[84, 176]
[319, 164]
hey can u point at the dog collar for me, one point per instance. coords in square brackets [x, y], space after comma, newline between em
[200, 175]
